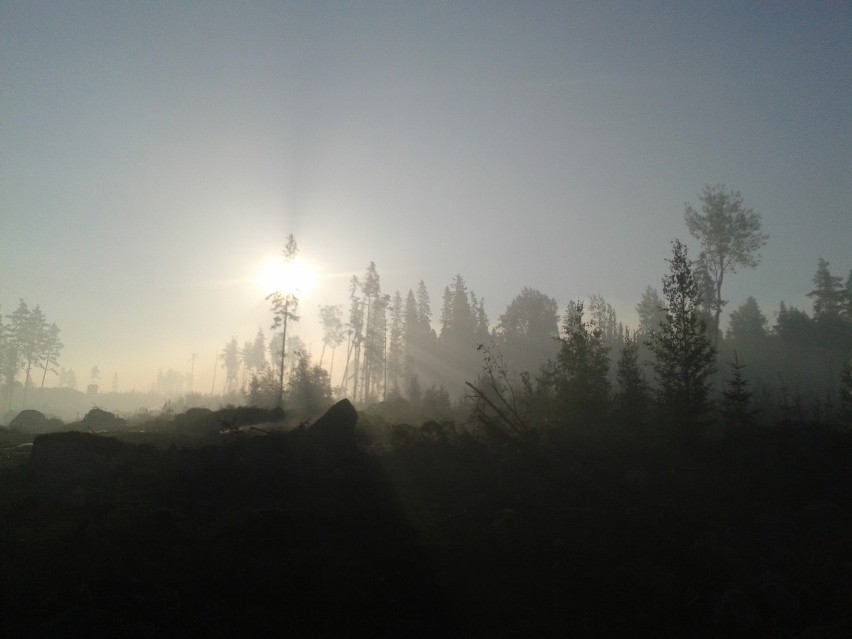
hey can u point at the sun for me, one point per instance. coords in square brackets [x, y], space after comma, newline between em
[297, 277]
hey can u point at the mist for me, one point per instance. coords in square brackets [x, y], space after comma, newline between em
[548, 267]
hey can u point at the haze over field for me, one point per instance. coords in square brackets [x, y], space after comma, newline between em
[154, 157]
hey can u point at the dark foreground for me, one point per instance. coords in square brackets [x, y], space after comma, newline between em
[429, 532]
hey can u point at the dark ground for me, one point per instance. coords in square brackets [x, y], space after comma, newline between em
[322, 532]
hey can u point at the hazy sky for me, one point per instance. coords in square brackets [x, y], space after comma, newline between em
[153, 155]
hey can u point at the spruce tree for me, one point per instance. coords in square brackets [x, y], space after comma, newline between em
[846, 395]
[651, 309]
[827, 294]
[684, 357]
[736, 408]
[631, 399]
[747, 322]
[580, 376]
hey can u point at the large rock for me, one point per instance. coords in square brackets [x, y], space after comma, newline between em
[29, 421]
[73, 455]
[99, 419]
[337, 427]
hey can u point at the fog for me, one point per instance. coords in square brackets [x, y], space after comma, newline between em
[154, 159]
[486, 203]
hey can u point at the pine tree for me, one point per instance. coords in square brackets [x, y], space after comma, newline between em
[631, 399]
[258, 360]
[424, 308]
[847, 299]
[331, 316]
[32, 342]
[737, 398]
[833, 331]
[419, 338]
[309, 387]
[458, 324]
[15, 337]
[794, 325]
[527, 331]
[230, 357]
[52, 346]
[684, 357]
[396, 347]
[580, 376]
[827, 294]
[747, 322]
[356, 334]
[846, 395]
[651, 309]
[480, 319]
[284, 307]
[373, 328]
[246, 361]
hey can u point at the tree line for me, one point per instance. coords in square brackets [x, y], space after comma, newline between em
[584, 362]
[28, 344]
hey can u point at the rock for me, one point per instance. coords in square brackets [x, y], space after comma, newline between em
[99, 419]
[198, 421]
[29, 421]
[70, 456]
[337, 427]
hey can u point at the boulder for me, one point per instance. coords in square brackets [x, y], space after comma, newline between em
[336, 428]
[73, 455]
[29, 421]
[99, 419]
[197, 420]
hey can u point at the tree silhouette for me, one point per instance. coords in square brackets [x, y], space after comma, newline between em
[747, 322]
[828, 293]
[845, 393]
[284, 307]
[375, 319]
[651, 309]
[31, 343]
[737, 398]
[833, 327]
[333, 332]
[230, 357]
[395, 346]
[356, 334]
[528, 330]
[580, 376]
[309, 387]
[684, 357]
[15, 338]
[730, 237]
[51, 347]
[846, 310]
[631, 398]
[794, 325]
[419, 339]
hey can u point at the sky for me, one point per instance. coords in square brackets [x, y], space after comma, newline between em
[154, 156]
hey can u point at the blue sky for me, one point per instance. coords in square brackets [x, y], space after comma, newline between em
[154, 155]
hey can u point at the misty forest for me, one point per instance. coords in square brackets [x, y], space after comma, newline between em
[431, 470]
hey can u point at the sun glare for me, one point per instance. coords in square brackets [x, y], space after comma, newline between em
[295, 277]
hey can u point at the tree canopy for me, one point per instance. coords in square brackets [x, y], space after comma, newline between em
[729, 234]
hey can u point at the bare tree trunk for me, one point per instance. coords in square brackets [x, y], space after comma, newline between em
[343, 380]
[283, 351]
[718, 311]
